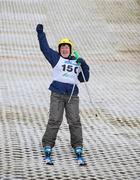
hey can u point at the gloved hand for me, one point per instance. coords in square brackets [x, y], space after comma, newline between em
[39, 28]
[79, 61]
[76, 54]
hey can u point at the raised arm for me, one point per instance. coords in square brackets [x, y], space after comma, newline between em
[51, 55]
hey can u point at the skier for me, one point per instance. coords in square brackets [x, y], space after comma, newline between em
[67, 71]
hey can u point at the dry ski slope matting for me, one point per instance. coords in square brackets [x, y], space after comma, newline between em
[107, 36]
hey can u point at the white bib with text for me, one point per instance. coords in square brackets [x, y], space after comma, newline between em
[66, 71]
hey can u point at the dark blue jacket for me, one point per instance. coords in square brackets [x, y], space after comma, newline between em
[53, 57]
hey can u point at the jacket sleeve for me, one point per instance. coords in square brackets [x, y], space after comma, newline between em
[84, 75]
[51, 55]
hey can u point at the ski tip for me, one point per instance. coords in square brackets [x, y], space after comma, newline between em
[83, 164]
[50, 163]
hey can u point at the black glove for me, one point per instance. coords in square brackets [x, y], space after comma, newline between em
[39, 28]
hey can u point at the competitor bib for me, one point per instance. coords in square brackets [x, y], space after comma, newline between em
[66, 71]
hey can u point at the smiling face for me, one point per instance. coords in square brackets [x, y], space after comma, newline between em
[65, 50]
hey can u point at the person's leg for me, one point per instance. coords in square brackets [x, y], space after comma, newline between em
[55, 120]
[73, 119]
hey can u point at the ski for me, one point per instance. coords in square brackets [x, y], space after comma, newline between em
[48, 159]
[78, 151]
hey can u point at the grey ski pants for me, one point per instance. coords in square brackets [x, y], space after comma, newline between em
[59, 103]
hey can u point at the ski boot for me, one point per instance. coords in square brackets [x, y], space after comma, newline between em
[48, 158]
[80, 159]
